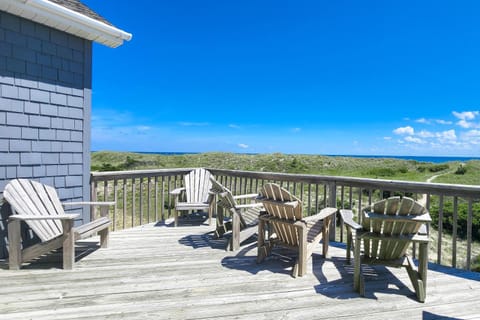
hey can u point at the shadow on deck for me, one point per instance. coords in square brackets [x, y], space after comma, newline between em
[160, 272]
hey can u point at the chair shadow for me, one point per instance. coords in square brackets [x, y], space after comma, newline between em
[186, 220]
[431, 316]
[197, 241]
[378, 279]
[54, 259]
[280, 261]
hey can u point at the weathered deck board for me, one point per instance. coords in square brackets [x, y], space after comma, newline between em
[160, 272]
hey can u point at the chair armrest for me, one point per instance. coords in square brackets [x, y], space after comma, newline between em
[347, 218]
[53, 217]
[177, 191]
[411, 218]
[246, 196]
[89, 203]
[424, 230]
[324, 213]
[250, 205]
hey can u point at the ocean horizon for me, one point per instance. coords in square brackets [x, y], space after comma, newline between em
[431, 159]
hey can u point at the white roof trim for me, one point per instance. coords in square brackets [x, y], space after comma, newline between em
[61, 18]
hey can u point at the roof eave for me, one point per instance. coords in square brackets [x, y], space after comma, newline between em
[64, 19]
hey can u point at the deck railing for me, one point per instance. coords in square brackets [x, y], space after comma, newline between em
[143, 196]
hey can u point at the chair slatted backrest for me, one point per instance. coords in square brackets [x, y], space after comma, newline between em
[197, 185]
[281, 204]
[32, 198]
[217, 187]
[393, 248]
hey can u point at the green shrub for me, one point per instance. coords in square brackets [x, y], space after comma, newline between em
[462, 215]
[381, 172]
[461, 169]
[476, 264]
[438, 167]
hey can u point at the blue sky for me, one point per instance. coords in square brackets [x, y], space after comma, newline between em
[312, 77]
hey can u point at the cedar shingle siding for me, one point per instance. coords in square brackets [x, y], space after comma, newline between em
[45, 103]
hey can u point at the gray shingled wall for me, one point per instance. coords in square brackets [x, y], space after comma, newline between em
[45, 103]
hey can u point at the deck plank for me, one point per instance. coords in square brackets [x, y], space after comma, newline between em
[160, 272]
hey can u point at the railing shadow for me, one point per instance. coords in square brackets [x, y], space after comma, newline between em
[54, 259]
[431, 316]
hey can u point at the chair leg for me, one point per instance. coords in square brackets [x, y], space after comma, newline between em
[302, 251]
[419, 278]
[104, 238]
[175, 218]
[210, 214]
[326, 236]
[422, 270]
[14, 245]
[263, 247]
[349, 245]
[295, 269]
[68, 245]
[235, 231]
[356, 268]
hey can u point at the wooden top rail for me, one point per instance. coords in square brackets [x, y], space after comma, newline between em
[130, 174]
[466, 191]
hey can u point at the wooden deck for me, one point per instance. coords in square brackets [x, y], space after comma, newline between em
[161, 272]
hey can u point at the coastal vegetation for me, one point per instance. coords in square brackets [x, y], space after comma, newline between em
[382, 168]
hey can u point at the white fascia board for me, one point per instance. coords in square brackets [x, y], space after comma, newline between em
[61, 18]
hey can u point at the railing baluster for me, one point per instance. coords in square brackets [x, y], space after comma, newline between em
[162, 197]
[440, 229]
[454, 232]
[124, 187]
[469, 234]
[114, 218]
[133, 201]
[140, 192]
[156, 198]
[148, 199]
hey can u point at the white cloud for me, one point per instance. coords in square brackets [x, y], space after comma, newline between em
[423, 120]
[243, 145]
[448, 136]
[414, 140]
[465, 124]
[445, 122]
[193, 124]
[466, 115]
[143, 128]
[296, 129]
[426, 134]
[233, 126]
[404, 130]
[473, 133]
[387, 138]
[472, 137]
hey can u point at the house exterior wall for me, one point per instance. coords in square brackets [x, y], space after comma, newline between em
[45, 107]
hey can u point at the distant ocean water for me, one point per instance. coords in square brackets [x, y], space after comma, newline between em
[415, 158]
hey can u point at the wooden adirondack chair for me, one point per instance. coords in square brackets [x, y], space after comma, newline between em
[288, 228]
[244, 216]
[388, 229]
[223, 225]
[195, 194]
[38, 205]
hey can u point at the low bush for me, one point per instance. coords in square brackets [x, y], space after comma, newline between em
[462, 216]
